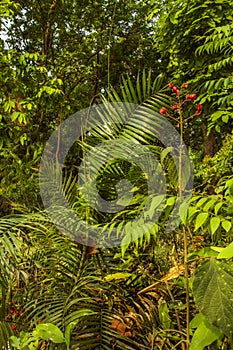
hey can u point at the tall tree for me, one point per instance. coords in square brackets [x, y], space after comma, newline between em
[194, 37]
[58, 56]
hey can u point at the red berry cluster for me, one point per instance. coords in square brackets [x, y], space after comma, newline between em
[174, 89]
[14, 312]
[177, 106]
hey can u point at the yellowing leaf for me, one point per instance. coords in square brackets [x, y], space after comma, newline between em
[117, 276]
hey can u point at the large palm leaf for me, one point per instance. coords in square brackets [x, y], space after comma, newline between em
[62, 285]
[63, 281]
[135, 122]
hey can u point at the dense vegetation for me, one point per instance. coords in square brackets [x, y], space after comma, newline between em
[167, 285]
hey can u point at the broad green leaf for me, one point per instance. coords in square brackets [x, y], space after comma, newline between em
[183, 211]
[212, 289]
[209, 204]
[15, 115]
[217, 249]
[171, 201]
[49, 331]
[191, 212]
[197, 320]
[156, 201]
[164, 316]
[214, 224]
[15, 341]
[155, 204]
[207, 251]
[217, 207]
[226, 225]
[217, 128]
[204, 335]
[202, 201]
[226, 253]
[225, 118]
[200, 220]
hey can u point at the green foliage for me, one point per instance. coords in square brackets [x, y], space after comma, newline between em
[205, 333]
[60, 284]
[57, 65]
[7, 8]
[218, 43]
[214, 171]
[57, 58]
[199, 52]
[212, 288]
[226, 253]
[48, 332]
[29, 341]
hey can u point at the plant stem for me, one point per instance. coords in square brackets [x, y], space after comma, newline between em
[176, 313]
[186, 275]
[58, 138]
[181, 158]
[185, 244]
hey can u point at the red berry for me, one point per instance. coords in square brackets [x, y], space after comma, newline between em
[185, 86]
[163, 110]
[22, 309]
[177, 92]
[171, 85]
[174, 89]
[12, 311]
[191, 97]
[17, 314]
[14, 327]
[194, 96]
[198, 109]
[174, 107]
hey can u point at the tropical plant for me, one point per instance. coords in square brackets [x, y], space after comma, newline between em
[148, 280]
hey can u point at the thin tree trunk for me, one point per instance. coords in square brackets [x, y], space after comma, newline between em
[47, 32]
